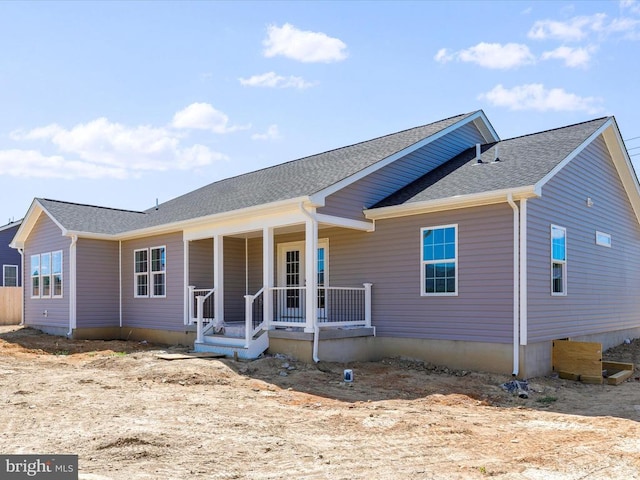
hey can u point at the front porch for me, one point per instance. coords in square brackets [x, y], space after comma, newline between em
[247, 287]
[345, 311]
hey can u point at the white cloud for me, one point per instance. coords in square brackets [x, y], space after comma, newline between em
[536, 97]
[272, 133]
[575, 29]
[579, 28]
[573, 57]
[631, 5]
[202, 116]
[304, 46]
[33, 164]
[272, 80]
[100, 149]
[490, 55]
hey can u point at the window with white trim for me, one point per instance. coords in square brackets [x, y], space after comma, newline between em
[10, 275]
[150, 271]
[439, 256]
[558, 260]
[603, 239]
[46, 275]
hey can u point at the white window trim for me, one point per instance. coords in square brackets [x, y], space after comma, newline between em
[51, 274]
[562, 262]
[149, 273]
[32, 276]
[152, 272]
[423, 262]
[4, 274]
[603, 239]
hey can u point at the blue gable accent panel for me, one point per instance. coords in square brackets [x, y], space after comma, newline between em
[368, 191]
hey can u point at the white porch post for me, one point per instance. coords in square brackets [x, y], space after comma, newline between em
[218, 276]
[367, 304]
[311, 274]
[267, 276]
[187, 289]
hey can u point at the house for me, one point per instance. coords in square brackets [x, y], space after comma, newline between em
[11, 277]
[9, 257]
[440, 242]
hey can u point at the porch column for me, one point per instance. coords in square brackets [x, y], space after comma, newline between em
[218, 276]
[187, 288]
[267, 276]
[311, 274]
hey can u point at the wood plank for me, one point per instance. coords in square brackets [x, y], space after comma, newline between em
[583, 359]
[189, 356]
[619, 377]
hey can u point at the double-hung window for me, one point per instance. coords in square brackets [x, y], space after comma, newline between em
[558, 260]
[10, 275]
[439, 260]
[150, 272]
[46, 275]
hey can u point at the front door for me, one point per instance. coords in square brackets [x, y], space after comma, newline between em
[291, 278]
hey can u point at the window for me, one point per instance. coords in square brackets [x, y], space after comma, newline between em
[150, 272]
[558, 260]
[10, 275]
[603, 239]
[439, 260]
[46, 275]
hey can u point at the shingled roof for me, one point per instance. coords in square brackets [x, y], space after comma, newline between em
[523, 161]
[289, 180]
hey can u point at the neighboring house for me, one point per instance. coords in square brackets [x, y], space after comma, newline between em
[10, 259]
[440, 242]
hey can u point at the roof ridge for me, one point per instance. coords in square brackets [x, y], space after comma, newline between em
[252, 172]
[92, 206]
[552, 129]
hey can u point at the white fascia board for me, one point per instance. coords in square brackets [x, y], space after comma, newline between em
[451, 203]
[622, 162]
[487, 130]
[318, 198]
[29, 221]
[541, 183]
[257, 212]
[10, 225]
[345, 222]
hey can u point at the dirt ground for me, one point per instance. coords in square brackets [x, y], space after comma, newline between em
[131, 415]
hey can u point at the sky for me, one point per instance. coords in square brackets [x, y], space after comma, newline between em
[122, 104]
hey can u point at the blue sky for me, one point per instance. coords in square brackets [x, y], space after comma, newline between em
[120, 103]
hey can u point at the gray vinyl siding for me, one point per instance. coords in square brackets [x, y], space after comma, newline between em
[98, 284]
[47, 237]
[201, 263]
[234, 279]
[602, 283]
[255, 265]
[350, 201]
[156, 313]
[8, 255]
[390, 259]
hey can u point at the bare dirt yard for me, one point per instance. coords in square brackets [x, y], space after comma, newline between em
[131, 415]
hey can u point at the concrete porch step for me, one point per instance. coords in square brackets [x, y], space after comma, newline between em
[232, 347]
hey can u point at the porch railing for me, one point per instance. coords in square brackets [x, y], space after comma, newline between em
[336, 306]
[254, 315]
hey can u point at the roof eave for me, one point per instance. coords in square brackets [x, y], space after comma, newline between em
[29, 221]
[450, 203]
[248, 212]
